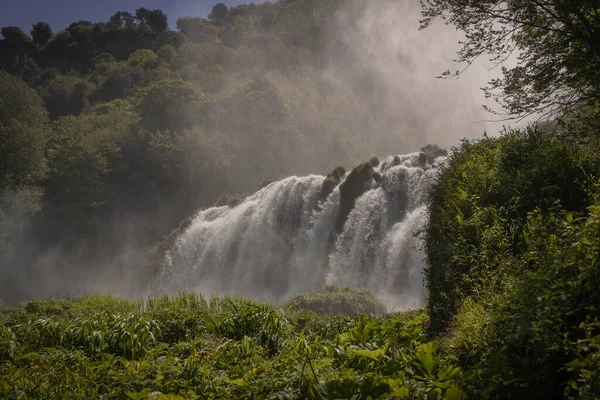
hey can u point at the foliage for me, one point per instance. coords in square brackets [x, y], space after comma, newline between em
[337, 301]
[41, 34]
[23, 133]
[144, 58]
[169, 104]
[556, 46]
[190, 347]
[512, 275]
[65, 95]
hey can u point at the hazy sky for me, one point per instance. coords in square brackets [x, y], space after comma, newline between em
[60, 13]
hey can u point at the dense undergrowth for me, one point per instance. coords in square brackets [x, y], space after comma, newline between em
[188, 347]
[513, 245]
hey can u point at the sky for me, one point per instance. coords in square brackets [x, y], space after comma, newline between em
[60, 13]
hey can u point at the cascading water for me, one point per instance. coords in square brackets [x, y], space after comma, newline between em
[285, 239]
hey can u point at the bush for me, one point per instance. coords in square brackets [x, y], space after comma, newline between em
[338, 301]
[481, 204]
[513, 274]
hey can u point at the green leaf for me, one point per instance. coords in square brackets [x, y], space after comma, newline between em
[401, 393]
[455, 393]
[373, 354]
[426, 357]
[569, 218]
[241, 382]
[428, 361]
[4, 386]
[430, 347]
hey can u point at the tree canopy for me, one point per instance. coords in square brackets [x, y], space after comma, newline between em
[556, 45]
[23, 133]
[41, 33]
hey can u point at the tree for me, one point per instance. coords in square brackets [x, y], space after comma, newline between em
[41, 33]
[197, 29]
[23, 133]
[153, 20]
[65, 95]
[81, 31]
[82, 150]
[219, 14]
[145, 58]
[122, 19]
[157, 21]
[170, 104]
[167, 53]
[556, 44]
[14, 35]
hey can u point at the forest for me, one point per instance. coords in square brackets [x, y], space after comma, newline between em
[113, 133]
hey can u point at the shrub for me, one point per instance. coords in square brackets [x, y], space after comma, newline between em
[338, 301]
[513, 274]
[481, 203]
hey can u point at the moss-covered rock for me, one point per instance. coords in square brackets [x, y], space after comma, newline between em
[337, 301]
[374, 161]
[353, 187]
[230, 200]
[265, 183]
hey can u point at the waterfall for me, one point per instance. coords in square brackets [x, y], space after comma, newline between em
[284, 239]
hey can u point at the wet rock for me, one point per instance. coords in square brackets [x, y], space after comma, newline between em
[377, 177]
[265, 183]
[354, 186]
[230, 200]
[331, 181]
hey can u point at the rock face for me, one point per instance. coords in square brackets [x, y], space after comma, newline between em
[331, 181]
[432, 151]
[230, 200]
[355, 185]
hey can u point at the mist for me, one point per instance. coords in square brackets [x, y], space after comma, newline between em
[267, 103]
[403, 63]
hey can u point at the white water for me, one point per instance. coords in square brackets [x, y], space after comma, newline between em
[279, 242]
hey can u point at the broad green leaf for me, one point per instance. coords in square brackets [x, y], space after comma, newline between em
[373, 354]
[401, 393]
[428, 361]
[430, 347]
[455, 393]
[570, 218]
[241, 382]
